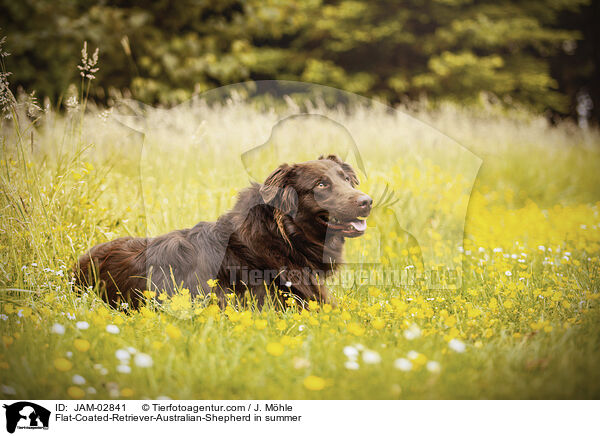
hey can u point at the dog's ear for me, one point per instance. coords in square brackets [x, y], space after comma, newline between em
[346, 167]
[278, 191]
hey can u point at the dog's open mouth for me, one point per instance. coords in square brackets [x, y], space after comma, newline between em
[351, 228]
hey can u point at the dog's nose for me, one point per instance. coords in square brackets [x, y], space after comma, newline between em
[364, 204]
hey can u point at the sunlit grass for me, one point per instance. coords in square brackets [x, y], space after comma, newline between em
[523, 325]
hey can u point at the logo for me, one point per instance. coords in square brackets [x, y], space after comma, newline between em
[26, 415]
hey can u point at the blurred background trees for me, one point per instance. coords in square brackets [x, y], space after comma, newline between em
[539, 54]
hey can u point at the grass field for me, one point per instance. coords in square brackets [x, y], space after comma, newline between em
[524, 324]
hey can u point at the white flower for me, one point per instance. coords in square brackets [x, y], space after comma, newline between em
[288, 284]
[122, 355]
[508, 273]
[351, 365]
[163, 397]
[433, 366]
[351, 352]
[131, 350]
[102, 370]
[91, 390]
[371, 357]
[8, 390]
[457, 346]
[403, 364]
[359, 347]
[3, 317]
[111, 328]
[82, 325]
[125, 369]
[70, 316]
[78, 380]
[143, 360]
[59, 329]
[412, 332]
[69, 354]
[301, 327]
[412, 354]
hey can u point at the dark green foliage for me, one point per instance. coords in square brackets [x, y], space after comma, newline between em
[164, 51]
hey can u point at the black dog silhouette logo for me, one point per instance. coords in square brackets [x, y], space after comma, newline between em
[26, 415]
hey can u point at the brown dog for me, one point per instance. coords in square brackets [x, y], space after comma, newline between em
[288, 233]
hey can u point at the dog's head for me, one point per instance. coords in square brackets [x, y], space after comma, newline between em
[320, 196]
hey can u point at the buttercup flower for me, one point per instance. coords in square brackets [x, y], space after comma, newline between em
[314, 383]
[63, 364]
[275, 349]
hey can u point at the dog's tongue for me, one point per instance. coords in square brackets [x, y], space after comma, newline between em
[359, 225]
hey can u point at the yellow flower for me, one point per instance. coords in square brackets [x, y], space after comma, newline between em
[81, 345]
[356, 329]
[378, 323]
[213, 283]
[126, 392]
[374, 292]
[450, 321]
[76, 392]
[147, 313]
[8, 340]
[181, 302]
[212, 311]
[508, 304]
[260, 324]
[281, 325]
[26, 312]
[314, 383]
[313, 305]
[173, 331]
[275, 348]
[327, 308]
[419, 359]
[63, 364]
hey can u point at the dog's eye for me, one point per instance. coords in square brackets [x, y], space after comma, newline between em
[347, 179]
[322, 185]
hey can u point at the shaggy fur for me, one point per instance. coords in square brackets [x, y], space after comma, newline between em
[287, 233]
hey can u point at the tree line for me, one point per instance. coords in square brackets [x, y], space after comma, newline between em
[539, 54]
